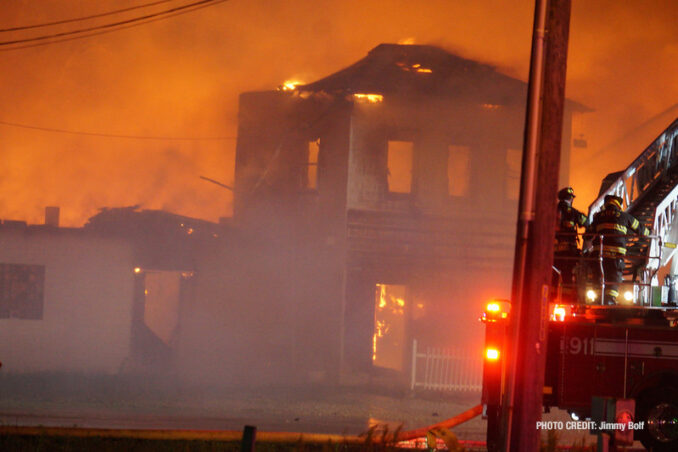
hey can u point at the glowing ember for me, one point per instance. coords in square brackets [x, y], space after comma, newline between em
[413, 68]
[369, 98]
[407, 41]
[290, 85]
[491, 106]
[381, 328]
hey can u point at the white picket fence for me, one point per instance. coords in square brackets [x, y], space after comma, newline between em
[446, 369]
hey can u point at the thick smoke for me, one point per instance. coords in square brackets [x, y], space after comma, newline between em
[181, 77]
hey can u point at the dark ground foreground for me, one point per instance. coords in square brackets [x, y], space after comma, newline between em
[54, 443]
[84, 402]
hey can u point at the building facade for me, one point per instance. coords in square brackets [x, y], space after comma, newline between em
[66, 304]
[395, 181]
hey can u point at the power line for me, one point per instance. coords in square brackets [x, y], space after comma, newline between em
[107, 28]
[88, 35]
[112, 135]
[110, 25]
[78, 19]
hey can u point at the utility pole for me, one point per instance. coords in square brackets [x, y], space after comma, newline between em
[522, 404]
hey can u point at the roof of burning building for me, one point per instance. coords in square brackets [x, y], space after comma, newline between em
[419, 69]
[162, 240]
[424, 71]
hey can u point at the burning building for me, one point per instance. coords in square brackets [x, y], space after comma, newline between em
[372, 207]
[383, 200]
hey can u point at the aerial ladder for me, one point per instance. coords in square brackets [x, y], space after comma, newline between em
[649, 189]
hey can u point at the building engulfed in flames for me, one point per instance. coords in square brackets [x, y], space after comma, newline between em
[396, 177]
[372, 208]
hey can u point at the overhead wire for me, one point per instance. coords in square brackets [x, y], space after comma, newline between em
[39, 44]
[79, 19]
[112, 135]
[107, 28]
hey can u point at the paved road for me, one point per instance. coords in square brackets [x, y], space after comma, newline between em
[318, 411]
[343, 411]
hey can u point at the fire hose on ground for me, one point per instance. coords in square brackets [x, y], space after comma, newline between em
[227, 435]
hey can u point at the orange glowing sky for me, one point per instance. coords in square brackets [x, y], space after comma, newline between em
[180, 77]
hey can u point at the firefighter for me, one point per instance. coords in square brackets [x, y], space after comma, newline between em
[566, 248]
[614, 225]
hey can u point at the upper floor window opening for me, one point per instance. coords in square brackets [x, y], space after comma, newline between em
[312, 165]
[399, 163]
[458, 170]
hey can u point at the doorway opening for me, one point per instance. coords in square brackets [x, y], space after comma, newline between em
[389, 339]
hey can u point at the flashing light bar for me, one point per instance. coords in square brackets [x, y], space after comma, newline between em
[496, 310]
[493, 307]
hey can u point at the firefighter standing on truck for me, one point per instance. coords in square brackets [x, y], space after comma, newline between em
[566, 248]
[614, 225]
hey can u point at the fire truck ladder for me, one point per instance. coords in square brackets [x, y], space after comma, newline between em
[649, 188]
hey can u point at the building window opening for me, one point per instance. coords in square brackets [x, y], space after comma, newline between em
[514, 158]
[400, 166]
[388, 342]
[22, 289]
[161, 303]
[312, 165]
[458, 165]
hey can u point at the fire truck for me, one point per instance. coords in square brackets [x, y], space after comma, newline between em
[611, 365]
[608, 353]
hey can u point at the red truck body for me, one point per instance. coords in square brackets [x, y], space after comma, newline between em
[610, 351]
[620, 352]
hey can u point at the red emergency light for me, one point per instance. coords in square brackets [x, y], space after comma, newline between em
[559, 312]
[496, 310]
[492, 354]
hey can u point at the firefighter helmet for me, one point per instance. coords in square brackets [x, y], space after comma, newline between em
[566, 193]
[613, 200]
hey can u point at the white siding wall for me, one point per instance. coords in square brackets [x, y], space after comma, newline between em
[88, 298]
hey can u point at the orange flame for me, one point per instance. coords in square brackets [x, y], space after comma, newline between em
[290, 85]
[369, 98]
[406, 41]
[392, 304]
